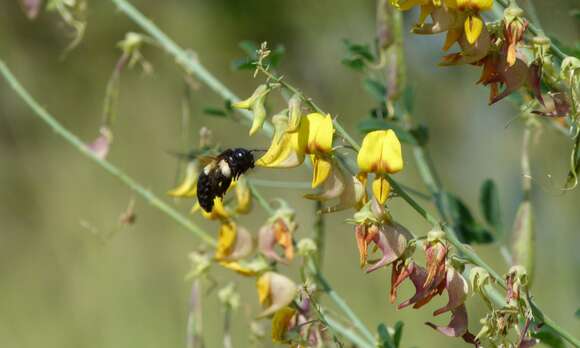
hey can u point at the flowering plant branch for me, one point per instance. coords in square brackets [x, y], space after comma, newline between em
[451, 265]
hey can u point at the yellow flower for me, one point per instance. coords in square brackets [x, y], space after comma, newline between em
[188, 188]
[473, 24]
[287, 149]
[218, 212]
[282, 321]
[380, 154]
[255, 103]
[314, 138]
[275, 292]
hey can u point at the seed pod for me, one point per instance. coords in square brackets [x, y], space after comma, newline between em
[524, 239]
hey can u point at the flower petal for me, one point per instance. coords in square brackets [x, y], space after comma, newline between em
[226, 240]
[380, 153]
[457, 289]
[457, 326]
[321, 170]
[473, 27]
[392, 240]
[243, 196]
[287, 149]
[281, 323]
[280, 292]
[319, 131]
[188, 188]
[381, 189]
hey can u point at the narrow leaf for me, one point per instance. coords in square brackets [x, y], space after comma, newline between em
[376, 89]
[490, 206]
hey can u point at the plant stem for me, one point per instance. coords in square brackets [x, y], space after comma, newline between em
[77, 143]
[348, 333]
[261, 200]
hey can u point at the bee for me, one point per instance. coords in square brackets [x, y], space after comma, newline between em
[217, 175]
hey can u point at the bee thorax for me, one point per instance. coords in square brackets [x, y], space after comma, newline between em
[225, 168]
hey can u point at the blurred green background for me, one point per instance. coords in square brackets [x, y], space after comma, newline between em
[63, 285]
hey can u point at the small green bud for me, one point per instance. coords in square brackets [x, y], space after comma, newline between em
[306, 247]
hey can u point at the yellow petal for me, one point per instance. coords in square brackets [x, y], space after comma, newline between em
[281, 323]
[226, 240]
[243, 196]
[248, 103]
[319, 131]
[188, 188]
[473, 28]
[380, 153]
[263, 287]
[218, 212]
[239, 268]
[381, 189]
[286, 150]
[321, 170]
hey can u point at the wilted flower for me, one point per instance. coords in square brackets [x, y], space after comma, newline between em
[497, 72]
[234, 242]
[284, 319]
[380, 154]
[278, 231]
[514, 29]
[516, 282]
[391, 239]
[101, 145]
[275, 292]
[349, 191]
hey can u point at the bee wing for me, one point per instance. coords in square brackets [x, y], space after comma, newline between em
[206, 160]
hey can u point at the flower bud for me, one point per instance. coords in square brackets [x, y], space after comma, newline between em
[249, 103]
[229, 297]
[306, 247]
[294, 112]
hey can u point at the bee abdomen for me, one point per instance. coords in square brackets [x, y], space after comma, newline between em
[205, 196]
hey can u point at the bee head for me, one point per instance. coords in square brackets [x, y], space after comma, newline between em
[244, 156]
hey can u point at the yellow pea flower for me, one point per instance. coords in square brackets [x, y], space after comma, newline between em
[319, 130]
[283, 320]
[473, 24]
[218, 212]
[243, 196]
[288, 149]
[380, 154]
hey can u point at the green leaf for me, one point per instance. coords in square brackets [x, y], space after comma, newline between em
[408, 99]
[359, 50]
[371, 124]
[549, 337]
[467, 229]
[243, 64]
[354, 63]
[385, 339]
[577, 314]
[376, 89]
[398, 333]
[276, 56]
[490, 207]
[250, 48]
[215, 112]
[421, 134]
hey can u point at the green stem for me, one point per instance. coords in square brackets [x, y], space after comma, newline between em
[319, 235]
[341, 303]
[72, 139]
[347, 333]
[261, 199]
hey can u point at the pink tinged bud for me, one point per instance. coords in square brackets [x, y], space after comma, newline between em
[555, 105]
[457, 326]
[435, 253]
[399, 273]
[392, 240]
[457, 290]
[101, 145]
[31, 7]
[275, 292]
[267, 242]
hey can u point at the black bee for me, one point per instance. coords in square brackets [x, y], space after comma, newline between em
[217, 175]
